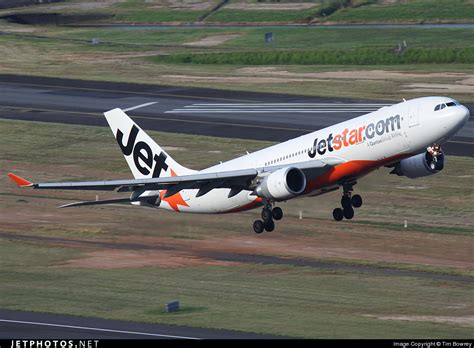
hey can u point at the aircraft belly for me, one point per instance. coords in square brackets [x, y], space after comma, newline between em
[214, 202]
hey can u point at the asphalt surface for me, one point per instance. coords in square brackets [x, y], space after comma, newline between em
[201, 111]
[28, 325]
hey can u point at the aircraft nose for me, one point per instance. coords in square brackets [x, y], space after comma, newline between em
[461, 116]
[464, 114]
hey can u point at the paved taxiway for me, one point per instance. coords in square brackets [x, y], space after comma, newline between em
[232, 114]
[24, 325]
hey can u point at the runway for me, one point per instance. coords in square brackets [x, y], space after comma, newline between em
[232, 114]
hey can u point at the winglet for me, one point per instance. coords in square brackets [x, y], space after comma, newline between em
[19, 180]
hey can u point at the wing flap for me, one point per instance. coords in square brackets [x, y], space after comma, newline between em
[105, 201]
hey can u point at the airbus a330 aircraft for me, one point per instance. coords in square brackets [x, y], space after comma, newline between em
[406, 137]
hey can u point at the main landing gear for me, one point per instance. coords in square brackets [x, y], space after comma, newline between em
[348, 203]
[268, 215]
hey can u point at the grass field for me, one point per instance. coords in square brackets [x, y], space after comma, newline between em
[419, 11]
[127, 262]
[153, 56]
[321, 11]
[360, 56]
[272, 299]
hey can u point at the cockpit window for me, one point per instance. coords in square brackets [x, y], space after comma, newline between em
[442, 106]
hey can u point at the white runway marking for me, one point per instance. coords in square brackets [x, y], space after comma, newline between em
[244, 111]
[98, 329]
[139, 106]
[277, 108]
[290, 104]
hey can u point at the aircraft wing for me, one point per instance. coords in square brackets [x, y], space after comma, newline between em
[236, 180]
[190, 181]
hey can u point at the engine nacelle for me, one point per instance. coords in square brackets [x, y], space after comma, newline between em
[282, 184]
[423, 164]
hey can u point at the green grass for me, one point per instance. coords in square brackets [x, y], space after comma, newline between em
[159, 16]
[359, 56]
[408, 11]
[269, 299]
[285, 38]
[142, 12]
[337, 11]
[254, 16]
[345, 38]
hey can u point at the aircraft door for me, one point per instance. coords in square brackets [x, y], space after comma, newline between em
[413, 116]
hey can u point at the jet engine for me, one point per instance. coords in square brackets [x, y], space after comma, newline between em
[423, 164]
[282, 184]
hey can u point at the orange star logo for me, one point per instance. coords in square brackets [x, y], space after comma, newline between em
[175, 199]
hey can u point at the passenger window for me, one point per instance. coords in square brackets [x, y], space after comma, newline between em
[437, 107]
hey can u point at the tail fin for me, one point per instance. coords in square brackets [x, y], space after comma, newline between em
[145, 158]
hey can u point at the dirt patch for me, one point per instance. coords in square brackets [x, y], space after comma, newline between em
[234, 79]
[352, 75]
[84, 5]
[184, 4]
[110, 259]
[175, 148]
[466, 321]
[438, 88]
[213, 40]
[265, 7]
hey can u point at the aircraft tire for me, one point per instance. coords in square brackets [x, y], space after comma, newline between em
[348, 213]
[266, 215]
[338, 214]
[346, 202]
[356, 201]
[269, 226]
[258, 226]
[277, 213]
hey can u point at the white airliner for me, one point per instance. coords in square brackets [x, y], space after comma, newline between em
[406, 137]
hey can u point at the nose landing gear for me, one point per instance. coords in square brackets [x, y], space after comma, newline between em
[348, 203]
[268, 215]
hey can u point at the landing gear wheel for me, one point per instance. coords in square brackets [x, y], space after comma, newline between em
[266, 215]
[269, 226]
[258, 226]
[346, 202]
[356, 201]
[348, 213]
[277, 213]
[338, 214]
